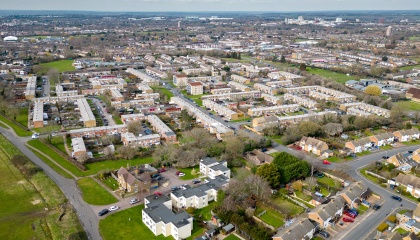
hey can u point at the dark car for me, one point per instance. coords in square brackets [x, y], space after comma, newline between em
[396, 198]
[410, 151]
[325, 234]
[158, 177]
[155, 175]
[174, 188]
[196, 181]
[103, 212]
[376, 206]
[319, 175]
[385, 157]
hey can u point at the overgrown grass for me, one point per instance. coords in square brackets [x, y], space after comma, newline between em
[61, 65]
[408, 105]
[338, 77]
[111, 183]
[48, 129]
[58, 142]
[401, 231]
[93, 193]
[18, 129]
[303, 196]
[368, 176]
[127, 224]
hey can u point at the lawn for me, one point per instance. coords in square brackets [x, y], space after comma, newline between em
[338, 77]
[58, 142]
[303, 196]
[328, 182]
[232, 237]
[127, 224]
[364, 153]
[22, 118]
[204, 212]
[241, 120]
[401, 231]
[335, 159]
[61, 65]
[48, 129]
[188, 174]
[386, 147]
[270, 216]
[22, 212]
[274, 154]
[117, 119]
[410, 143]
[163, 91]
[54, 166]
[408, 105]
[18, 129]
[111, 183]
[368, 176]
[410, 67]
[93, 193]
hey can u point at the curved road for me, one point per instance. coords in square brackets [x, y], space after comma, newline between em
[87, 217]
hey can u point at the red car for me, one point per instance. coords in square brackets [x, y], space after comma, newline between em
[162, 170]
[157, 193]
[348, 220]
[352, 215]
[326, 162]
[177, 173]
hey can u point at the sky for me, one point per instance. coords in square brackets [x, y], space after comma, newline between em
[209, 5]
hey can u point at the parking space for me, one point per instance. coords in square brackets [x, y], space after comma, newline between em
[170, 179]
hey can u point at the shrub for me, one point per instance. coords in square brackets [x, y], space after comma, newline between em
[392, 219]
[19, 160]
[190, 210]
[382, 227]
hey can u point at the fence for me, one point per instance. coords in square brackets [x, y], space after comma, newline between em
[375, 175]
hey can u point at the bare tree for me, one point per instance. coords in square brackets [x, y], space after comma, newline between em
[127, 152]
[54, 76]
[333, 129]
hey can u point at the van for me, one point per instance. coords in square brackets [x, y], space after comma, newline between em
[319, 194]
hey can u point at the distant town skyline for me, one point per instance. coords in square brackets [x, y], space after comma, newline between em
[211, 5]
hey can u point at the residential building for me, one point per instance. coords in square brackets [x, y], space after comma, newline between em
[265, 121]
[239, 86]
[38, 115]
[324, 214]
[144, 88]
[148, 96]
[233, 96]
[282, 75]
[116, 95]
[129, 139]
[300, 229]
[413, 94]
[240, 79]
[363, 109]
[302, 101]
[87, 115]
[98, 131]
[302, 117]
[195, 88]
[146, 78]
[212, 168]
[382, 139]
[30, 87]
[401, 159]
[163, 130]
[221, 110]
[407, 135]
[79, 148]
[278, 84]
[313, 145]
[355, 193]
[160, 219]
[360, 145]
[59, 91]
[212, 60]
[127, 118]
[156, 72]
[272, 99]
[265, 89]
[410, 182]
[180, 80]
[279, 109]
[416, 155]
[127, 181]
[258, 157]
[220, 90]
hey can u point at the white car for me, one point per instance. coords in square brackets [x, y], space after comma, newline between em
[113, 208]
[35, 136]
[134, 201]
[181, 174]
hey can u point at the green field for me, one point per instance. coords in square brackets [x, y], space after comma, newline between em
[48, 129]
[22, 118]
[16, 128]
[163, 91]
[232, 237]
[338, 77]
[93, 193]
[270, 216]
[52, 165]
[58, 142]
[29, 208]
[127, 224]
[408, 105]
[61, 65]
[188, 174]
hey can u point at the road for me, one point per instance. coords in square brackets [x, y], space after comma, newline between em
[87, 217]
[46, 86]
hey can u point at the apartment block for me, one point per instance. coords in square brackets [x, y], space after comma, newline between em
[146, 79]
[283, 75]
[30, 87]
[180, 80]
[38, 115]
[255, 112]
[265, 89]
[156, 72]
[300, 90]
[160, 127]
[215, 91]
[221, 110]
[133, 103]
[144, 88]
[283, 83]
[98, 131]
[79, 148]
[87, 115]
[302, 101]
[239, 86]
[148, 96]
[212, 60]
[195, 88]
[233, 96]
[158, 216]
[240, 79]
[129, 139]
[59, 91]
[53, 100]
[272, 99]
[302, 117]
[212, 168]
[116, 95]
[364, 109]
[127, 118]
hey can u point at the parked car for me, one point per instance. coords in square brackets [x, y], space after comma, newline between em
[263, 149]
[134, 201]
[353, 211]
[345, 219]
[175, 188]
[399, 199]
[325, 234]
[157, 193]
[158, 177]
[376, 207]
[319, 175]
[196, 181]
[350, 214]
[181, 174]
[103, 212]
[35, 136]
[162, 170]
[385, 157]
[326, 162]
[113, 208]
[155, 175]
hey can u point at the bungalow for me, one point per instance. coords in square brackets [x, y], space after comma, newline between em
[212, 168]
[412, 183]
[326, 214]
[360, 145]
[313, 145]
[407, 135]
[383, 139]
[355, 193]
[299, 229]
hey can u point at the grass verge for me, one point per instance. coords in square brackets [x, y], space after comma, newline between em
[93, 193]
[18, 129]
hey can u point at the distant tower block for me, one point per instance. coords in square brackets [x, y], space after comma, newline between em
[388, 31]
[179, 24]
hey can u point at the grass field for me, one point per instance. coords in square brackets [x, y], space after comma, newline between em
[61, 65]
[18, 129]
[188, 174]
[23, 213]
[127, 224]
[408, 105]
[338, 77]
[58, 142]
[53, 165]
[232, 237]
[93, 193]
[48, 129]
[163, 91]
[22, 118]
[270, 216]
[410, 67]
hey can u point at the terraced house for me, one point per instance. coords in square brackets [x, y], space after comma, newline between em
[325, 214]
[314, 146]
[360, 145]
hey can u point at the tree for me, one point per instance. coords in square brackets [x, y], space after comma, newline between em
[373, 90]
[385, 58]
[134, 127]
[282, 59]
[54, 76]
[396, 115]
[302, 67]
[333, 129]
[235, 147]
[186, 120]
[297, 185]
[127, 152]
[270, 173]
[309, 128]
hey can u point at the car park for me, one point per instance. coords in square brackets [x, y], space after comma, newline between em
[350, 214]
[113, 208]
[134, 201]
[103, 212]
[158, 178]
[399, 199]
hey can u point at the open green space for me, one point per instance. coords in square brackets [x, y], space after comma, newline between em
[335, 159]
[93, 193]
[52, 165]
[242, 120]
[189, 174]
[127, 224]
[285, 204]
[271, 217]
[111, 183]
[18, 129]
[303, 196]
[368, 176]
[338, 77]
[408, 105]
[48, 129]
[231, 237]
[3, 125]
[410, 67]
[60, 65]
[58, 142]
[412, 142]
[30, 204]
[364, 153]
[205, 212]
[163, 91]
[328, 182]
[22, 118]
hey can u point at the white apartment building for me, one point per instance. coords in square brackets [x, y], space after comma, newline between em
[148, 96]
[133, 103]
[86, 113]
[255, 112]
[221, 110]
[304, 102]
[180, 80]
[282, 83]
[364, 109]
[156, 72]
[126, 118]
[53, 100]
[116, 95]
[212, 168]
[240, 79]
[79, 148]
[144, 88]
[195, 88]
[98, 131]
[212, 60]
[38, 115]
[282, 75]
[239, 86]
[59, 91]
[145, 141]
[272, 99]
[220, 90]
[233, 96]
[30, 87]
[160, 127]
[147, 79]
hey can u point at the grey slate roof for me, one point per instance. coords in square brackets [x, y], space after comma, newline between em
[208, 161]
[297, 230]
